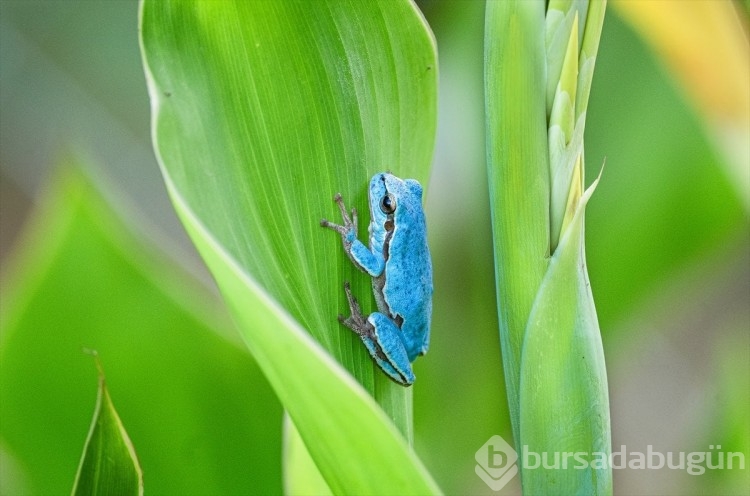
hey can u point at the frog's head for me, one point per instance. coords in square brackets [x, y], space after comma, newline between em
[391, 197]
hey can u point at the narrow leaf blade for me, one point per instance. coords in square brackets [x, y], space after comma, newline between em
[109, 464]
[518, 171]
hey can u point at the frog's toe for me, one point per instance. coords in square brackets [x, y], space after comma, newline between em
[329, 224]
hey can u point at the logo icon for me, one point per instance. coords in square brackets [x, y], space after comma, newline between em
[496, 462]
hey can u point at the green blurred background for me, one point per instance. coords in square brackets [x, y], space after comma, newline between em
[104, 264]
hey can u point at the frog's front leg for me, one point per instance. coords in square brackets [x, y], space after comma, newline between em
[382, 338]
[362, 258]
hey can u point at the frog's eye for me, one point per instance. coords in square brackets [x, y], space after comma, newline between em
[388, 204]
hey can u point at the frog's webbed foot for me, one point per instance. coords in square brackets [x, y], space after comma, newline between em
[357, 322]
[348, 230]
[382, 338]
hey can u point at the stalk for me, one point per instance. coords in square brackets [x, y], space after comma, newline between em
[539, 64]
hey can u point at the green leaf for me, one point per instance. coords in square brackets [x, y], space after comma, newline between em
[517, 168]
[565, 137]
[558, 28]
[262, 111]
[564, 400]
[184, 382]
[109, 464]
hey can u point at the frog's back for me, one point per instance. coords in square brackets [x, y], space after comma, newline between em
[408, 283]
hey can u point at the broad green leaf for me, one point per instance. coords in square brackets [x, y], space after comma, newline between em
[564, 401]
[262, 111]
[79, 278]
[517, 169]
[109, 464]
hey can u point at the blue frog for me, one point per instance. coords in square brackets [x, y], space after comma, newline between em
[398, 260]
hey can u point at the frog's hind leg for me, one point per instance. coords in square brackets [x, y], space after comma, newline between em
[381, 337]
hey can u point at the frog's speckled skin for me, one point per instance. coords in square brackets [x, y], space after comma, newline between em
[398, 260]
